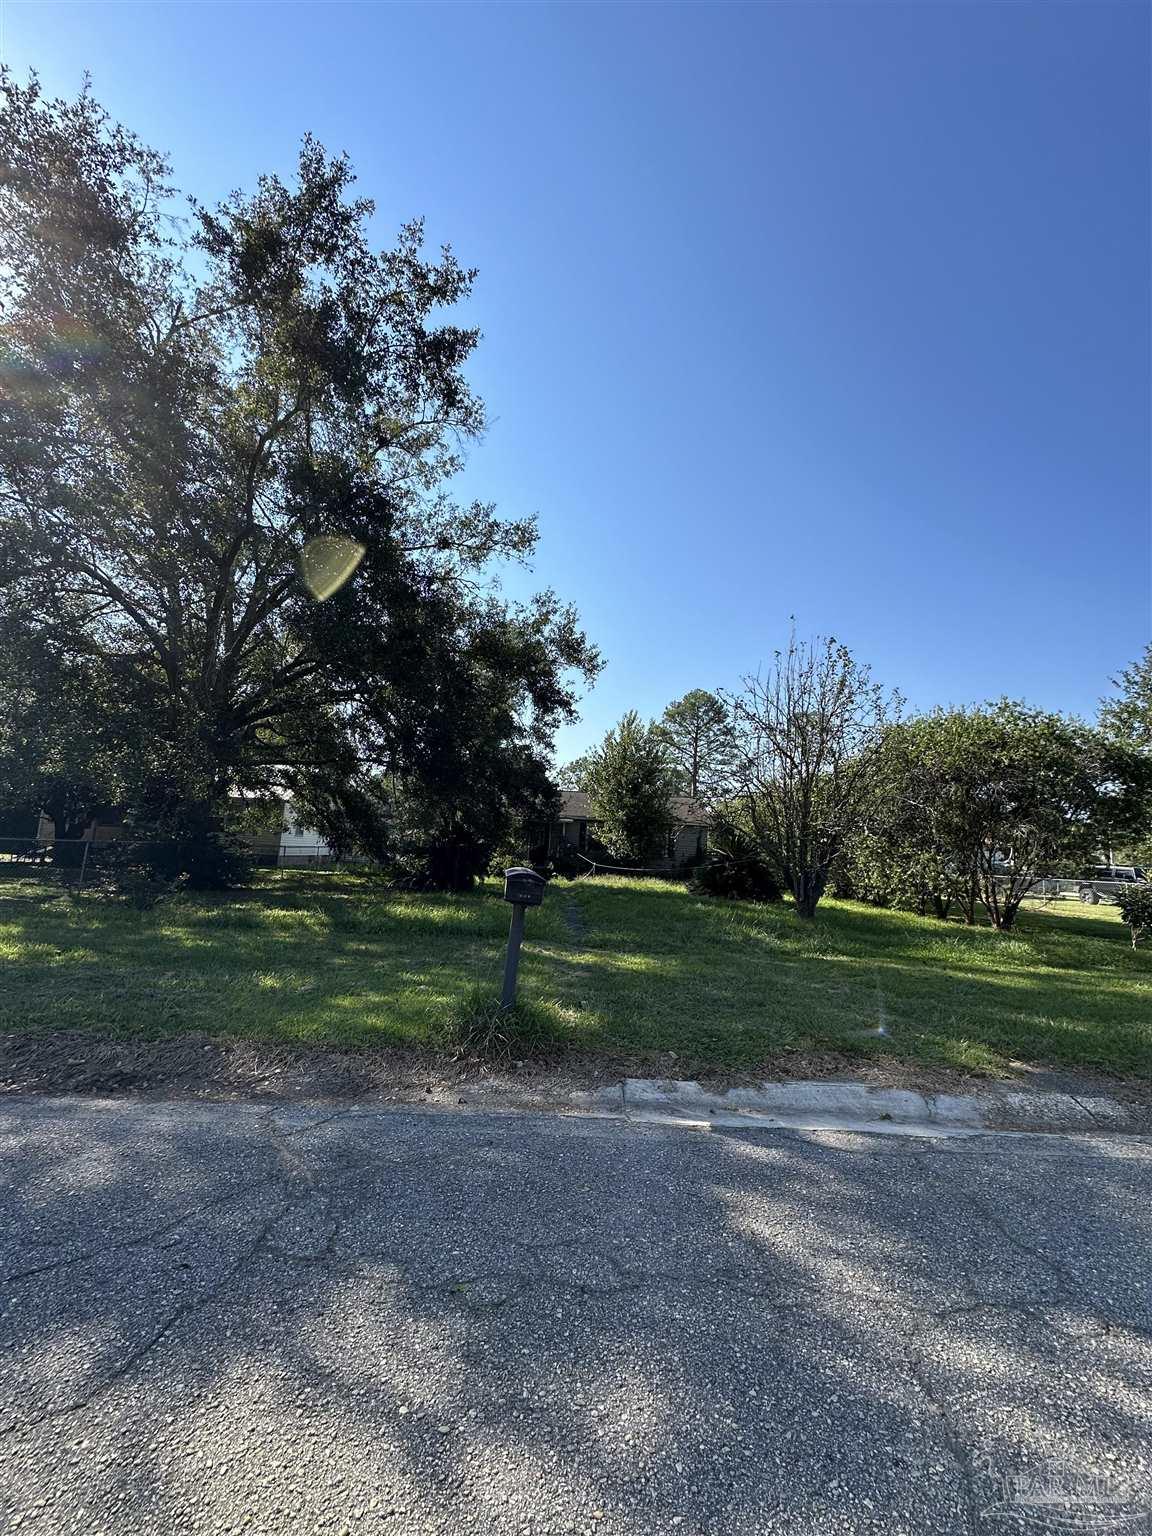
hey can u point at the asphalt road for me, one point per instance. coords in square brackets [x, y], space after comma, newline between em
[221, 1318]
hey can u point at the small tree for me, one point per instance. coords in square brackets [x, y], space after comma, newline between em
[977, 805]
[630, 780]
[695, 731]
[806, 743]
[1046, 789]
[1136, 909]
[571, 775]
[917, 843]
[1129, 716]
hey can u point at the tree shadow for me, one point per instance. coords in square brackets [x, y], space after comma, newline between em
[651, 969]
[290, 966]
[301, 1314]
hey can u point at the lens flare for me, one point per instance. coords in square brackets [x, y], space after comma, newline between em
[327, 562]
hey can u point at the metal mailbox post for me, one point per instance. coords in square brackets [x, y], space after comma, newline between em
[523, 888]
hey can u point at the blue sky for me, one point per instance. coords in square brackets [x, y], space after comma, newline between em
[838, 311]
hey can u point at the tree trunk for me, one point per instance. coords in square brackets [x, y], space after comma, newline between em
[807, 889]
[68, 835]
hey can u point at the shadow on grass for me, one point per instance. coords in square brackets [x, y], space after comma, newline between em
[339, 960]
[287, 963]
[742, 980]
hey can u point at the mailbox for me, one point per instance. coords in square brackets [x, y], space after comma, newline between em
[523, 887]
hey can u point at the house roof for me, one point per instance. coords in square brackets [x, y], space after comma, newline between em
[574, 806]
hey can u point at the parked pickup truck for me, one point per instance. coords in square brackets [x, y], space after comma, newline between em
[1104, 881]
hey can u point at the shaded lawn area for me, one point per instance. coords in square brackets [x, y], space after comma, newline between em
[1065, 990]
[631, 965]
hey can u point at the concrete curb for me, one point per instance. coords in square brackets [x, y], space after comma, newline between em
[857, 1107]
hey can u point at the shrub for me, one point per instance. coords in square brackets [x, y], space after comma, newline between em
[443, 865]
[207, 861]
[843, 880]
[740, 878]
[567, 863]
[120, 873]
[478, 1029]
[188, 840]
[880, 870]
[562, 862]
[1136, 909]
[734, 866]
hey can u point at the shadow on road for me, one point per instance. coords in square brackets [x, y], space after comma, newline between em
[486, 1324]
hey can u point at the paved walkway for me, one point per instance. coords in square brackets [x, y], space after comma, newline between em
[224, 1318]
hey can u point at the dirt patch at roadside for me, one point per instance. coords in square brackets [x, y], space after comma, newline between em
[210, 1067]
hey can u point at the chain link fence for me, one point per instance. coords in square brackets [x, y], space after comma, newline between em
[31, 864]
[1090, 892]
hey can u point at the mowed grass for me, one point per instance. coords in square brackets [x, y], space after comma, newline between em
[625, 965]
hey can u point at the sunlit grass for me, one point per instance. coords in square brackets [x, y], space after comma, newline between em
[642, 967]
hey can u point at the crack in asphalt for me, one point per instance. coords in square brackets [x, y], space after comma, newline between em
[1066, 1284]
[141, 1239]
[300, 1185]
[290, 1171]
[290, 1200]
[954, 1442]
[145, 1348]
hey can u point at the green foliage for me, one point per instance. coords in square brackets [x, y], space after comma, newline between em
[207, 859]
[1135, 852]
[176, 837]
[181, 415]
[697, 733]
[973, 806]
[441, 836]
[68, 740]
[441, 865]
[1135, 905]
[913, 876]
[734, 867]
[806, 758]
[573, 775]
[630, 782]
[125, 875]
[1129, 715]
[476, 1028]
[1049, 790]
[904, 850]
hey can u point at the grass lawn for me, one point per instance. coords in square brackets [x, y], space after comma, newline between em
[616, 964]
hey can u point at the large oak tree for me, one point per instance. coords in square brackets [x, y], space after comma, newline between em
[188, 397]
